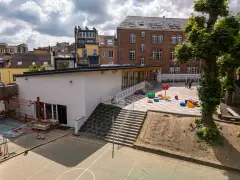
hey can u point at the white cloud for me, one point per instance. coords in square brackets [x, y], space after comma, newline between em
[40, 23]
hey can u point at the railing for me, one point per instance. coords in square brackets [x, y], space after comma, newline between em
[129, 91]
[177, 77]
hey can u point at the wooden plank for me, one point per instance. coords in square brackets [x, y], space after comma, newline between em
[232, 112]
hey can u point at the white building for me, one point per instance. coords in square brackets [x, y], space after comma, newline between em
[69, 94]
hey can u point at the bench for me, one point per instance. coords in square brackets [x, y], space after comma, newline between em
[232, 112]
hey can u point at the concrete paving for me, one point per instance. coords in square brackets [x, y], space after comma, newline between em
[172, 106]
[78, 158]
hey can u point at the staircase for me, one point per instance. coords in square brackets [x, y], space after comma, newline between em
[126, 127]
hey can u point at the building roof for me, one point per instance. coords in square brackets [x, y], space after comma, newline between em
[156, 23]
[27, 60]
[82, 69]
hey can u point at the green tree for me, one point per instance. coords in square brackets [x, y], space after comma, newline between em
[209, 34]
[33, 68]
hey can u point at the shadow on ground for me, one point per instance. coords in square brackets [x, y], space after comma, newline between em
[68, 151]
[228, 156]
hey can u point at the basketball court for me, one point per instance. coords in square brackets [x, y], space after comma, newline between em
[79, 158]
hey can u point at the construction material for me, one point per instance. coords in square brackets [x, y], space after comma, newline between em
[232, 112]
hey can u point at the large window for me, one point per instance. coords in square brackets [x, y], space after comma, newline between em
[192, 70]
[132, 38]
[160, 39]
[171, 69]
[154, 54]
[179, 39]
[154, 39]
[110, 54]
[172, 53]
[159, 54]
[141, 60]
[142, 47]
[177, 69]
[94, 52]
[173, 40]
[132, 54]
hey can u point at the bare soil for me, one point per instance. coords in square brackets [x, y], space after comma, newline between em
[177, 134]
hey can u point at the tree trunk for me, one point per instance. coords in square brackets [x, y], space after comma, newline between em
[209, 91]
[229, 97]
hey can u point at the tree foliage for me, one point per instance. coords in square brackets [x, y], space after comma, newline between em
[34, 68]
[210, 34]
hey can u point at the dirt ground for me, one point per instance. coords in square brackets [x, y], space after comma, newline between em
[177, 134]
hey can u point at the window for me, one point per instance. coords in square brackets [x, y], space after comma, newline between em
[189, 69]
[45, 63]
[110, 54]
[110, 61]
[132, 54]
[173, 40]
[110, 42]
[142, 34]
[192, 69]
[141, 60]
[172, 54]
[84, 52]
[154, 38]
[33, 63]
[171, 69]
[103, 54]
[154, 54]
[14, 77]
[160, 39]
[19, 63]
[142, 47]
[179, 39]
[159, 54]
[177, 69]
[132, 38]
[94, 52]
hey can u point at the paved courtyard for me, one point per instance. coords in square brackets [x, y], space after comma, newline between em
[173, 106]
[79, 158]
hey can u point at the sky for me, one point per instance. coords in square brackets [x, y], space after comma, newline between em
[41, 23]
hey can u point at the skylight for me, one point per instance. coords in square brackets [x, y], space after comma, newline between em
[141, 23]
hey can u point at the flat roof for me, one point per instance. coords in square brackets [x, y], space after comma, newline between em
[83, 69]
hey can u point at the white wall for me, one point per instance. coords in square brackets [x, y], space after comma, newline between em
[100, 86]
[55, 89]
[81, 96]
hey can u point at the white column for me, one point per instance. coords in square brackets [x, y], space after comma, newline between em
[44, 109]
[52, 112]
[56, 113]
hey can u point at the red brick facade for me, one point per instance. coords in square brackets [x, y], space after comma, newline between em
[108, 54]
[124, 47]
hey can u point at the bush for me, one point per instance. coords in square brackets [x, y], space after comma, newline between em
[197, 120]
[209, 134]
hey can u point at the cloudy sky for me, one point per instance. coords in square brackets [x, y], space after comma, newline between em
[45, 22]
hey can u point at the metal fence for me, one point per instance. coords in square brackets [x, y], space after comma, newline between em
[177, 77]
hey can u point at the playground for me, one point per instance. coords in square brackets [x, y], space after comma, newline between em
[176, 99]
[80, 158]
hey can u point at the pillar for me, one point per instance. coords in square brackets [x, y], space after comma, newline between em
[56, 113]
[52, 111]
[44, 110]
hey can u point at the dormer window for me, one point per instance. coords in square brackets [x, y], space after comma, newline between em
[19, 63]
[45, 63]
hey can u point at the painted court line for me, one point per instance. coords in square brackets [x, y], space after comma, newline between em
[93, 162]
[40, 170]
[131, 170]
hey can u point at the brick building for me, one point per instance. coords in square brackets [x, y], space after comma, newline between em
[107, 49]
[151, 41]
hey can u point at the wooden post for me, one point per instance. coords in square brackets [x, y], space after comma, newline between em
[38, 108]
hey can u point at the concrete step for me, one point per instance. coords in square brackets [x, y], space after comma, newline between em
[121, 136]
[120, 143]
[110, 133]
[119, 126]
[126, 129]
[131, 116]
[127, 123]
[133, 119]
[133, 112]
[130, 121]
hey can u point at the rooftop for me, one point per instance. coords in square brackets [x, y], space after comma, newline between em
[83, 69]
[159, 23]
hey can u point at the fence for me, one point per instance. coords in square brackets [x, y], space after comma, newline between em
[177, 77]
[129, 91]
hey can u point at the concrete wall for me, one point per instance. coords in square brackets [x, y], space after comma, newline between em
[55, 89]
[81, 96]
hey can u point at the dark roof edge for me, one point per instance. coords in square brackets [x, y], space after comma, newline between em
[81, 69]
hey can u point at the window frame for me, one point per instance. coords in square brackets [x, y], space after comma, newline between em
[142, 45]
[172, 39]
[19, 63]
[154, 54]
[160, 40]
[109, 54]
[181, 39]
[103, 54]
[154, 38]
[172, 54]
[133, 54]
[132, 38]
[142, 59]
[142, 34]
[159, 54]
